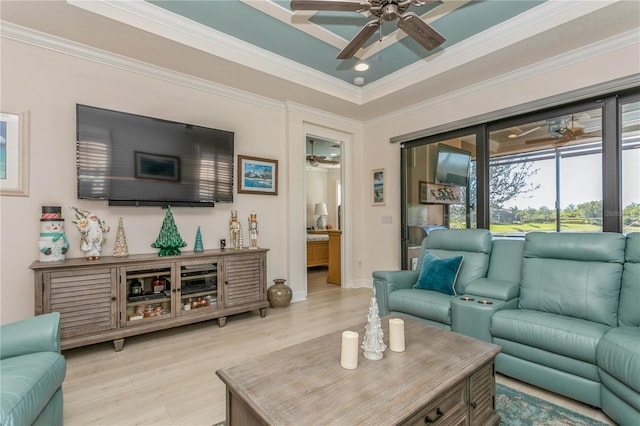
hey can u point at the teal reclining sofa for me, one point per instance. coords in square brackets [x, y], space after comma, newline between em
[31, 372]
[564, 307]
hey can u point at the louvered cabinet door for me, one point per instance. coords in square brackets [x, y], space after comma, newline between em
[85, 298]
[482, 393]
[244, 280]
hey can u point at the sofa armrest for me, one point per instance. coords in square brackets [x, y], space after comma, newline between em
[396, 280]
[494, 289]
[37, 334]
[385, 282]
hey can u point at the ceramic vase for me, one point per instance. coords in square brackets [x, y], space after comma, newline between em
[279, 294]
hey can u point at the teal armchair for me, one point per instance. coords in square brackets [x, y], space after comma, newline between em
[32, 370]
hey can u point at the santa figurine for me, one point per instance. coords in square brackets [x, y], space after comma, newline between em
[92, 230]
[53, 242]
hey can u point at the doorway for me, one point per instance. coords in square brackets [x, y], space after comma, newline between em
[323, 208]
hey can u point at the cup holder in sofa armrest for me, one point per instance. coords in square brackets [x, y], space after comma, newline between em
[485, 302]
[467, 299]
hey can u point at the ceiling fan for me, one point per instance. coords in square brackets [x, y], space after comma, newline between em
[561, 131]
[315, 160]
[383, 10]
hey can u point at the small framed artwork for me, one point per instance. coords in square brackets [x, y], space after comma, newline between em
[378, 183]
[14, 154]
[257, 175]
[431, 193]
[157, 167]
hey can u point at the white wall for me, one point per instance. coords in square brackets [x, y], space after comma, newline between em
[49, 84]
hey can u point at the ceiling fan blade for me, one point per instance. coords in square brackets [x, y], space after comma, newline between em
[328, 161]
[418, 30]
[540, 140]
[514, 136]
[332, 5]
[359, 40]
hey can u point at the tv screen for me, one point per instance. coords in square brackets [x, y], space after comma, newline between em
[452, 167]
[131, 159]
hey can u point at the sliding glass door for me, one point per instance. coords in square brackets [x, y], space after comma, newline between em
[570, 168]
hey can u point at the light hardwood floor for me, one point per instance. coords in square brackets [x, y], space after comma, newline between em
[168, 377]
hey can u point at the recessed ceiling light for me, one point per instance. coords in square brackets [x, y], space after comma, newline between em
[361, 66]
[358, 81]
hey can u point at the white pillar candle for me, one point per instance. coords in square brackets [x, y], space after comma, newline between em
[349, 355]
[396, 335]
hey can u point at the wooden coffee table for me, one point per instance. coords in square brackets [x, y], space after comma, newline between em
[441, 377]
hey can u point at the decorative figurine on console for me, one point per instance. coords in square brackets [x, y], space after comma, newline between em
[120, 249]
[253, 230]
[53, 241]
[92, 230]
[235, 231]
[169, 240]
[198, 246]
[373, 343]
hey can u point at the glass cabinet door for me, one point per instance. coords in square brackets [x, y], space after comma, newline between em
[148, 294]
[198, 287]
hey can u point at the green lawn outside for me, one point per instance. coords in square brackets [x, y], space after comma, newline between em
[523, 228]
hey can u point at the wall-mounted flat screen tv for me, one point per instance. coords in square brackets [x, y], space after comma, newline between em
[452, 167]
[135, 160]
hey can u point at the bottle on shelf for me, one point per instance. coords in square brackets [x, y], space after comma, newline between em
[158, 284]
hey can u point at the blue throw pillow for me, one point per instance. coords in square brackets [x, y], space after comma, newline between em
[439, 274]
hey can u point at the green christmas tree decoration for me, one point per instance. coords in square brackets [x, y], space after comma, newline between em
[169, 240]
[198, 244]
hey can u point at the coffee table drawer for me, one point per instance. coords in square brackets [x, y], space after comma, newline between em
[450, 408]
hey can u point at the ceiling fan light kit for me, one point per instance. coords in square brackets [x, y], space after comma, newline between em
[383, 10]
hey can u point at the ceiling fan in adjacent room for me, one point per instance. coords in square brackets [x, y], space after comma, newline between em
[561, 130]
[383, 10]
[316, 160]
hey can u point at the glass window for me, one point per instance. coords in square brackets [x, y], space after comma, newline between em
[630, 125]
[546, 175]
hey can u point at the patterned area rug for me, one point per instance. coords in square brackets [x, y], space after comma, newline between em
[521, 409]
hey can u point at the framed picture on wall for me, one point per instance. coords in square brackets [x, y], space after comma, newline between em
[378, 184]
[257, 175]
[14, 154]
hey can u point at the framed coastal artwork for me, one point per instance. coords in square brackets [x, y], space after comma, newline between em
[14, 154]
[378, 184]
[257, 175]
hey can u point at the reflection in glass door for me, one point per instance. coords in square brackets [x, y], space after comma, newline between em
[439, 189]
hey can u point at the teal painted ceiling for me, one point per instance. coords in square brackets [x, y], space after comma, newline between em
[313, 39]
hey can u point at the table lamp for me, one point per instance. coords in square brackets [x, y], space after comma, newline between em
[320, 210]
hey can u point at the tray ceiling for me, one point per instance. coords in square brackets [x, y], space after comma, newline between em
[264, 48]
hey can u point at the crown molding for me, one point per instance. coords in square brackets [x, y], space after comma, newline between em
[621, 41]
[60, 45]
[156, 20]
[159, 21]
[317, 114]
